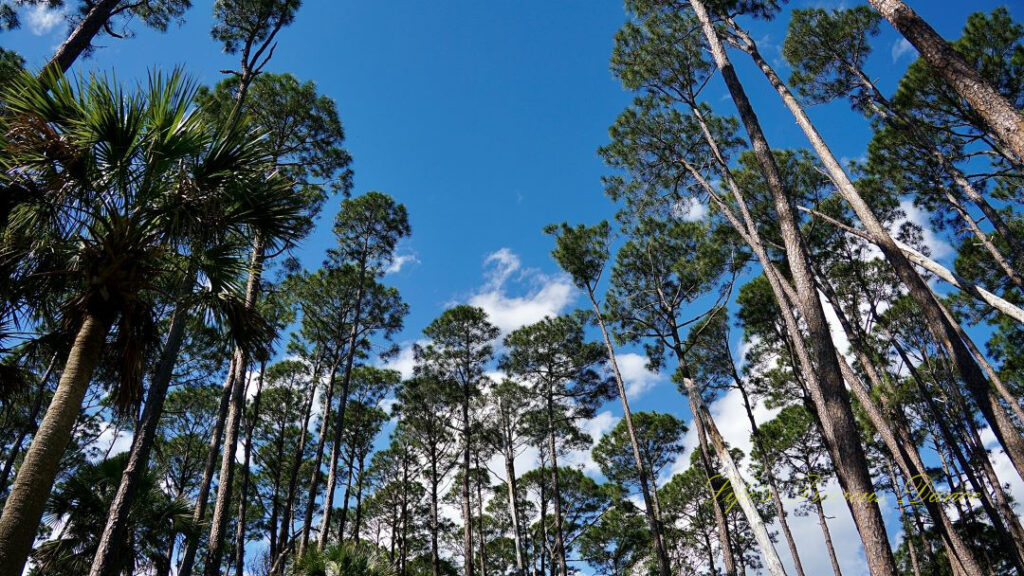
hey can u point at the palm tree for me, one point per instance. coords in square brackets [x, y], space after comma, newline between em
[80, 505]
[345, 559]
[114, 189]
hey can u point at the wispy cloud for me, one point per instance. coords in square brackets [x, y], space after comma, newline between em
[901, 48]
[42, 19]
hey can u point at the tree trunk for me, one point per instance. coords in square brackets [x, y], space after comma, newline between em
[188, 556]
[26, 502]
[314, 480]
[728, 558]
[559, 553]
[480, 519]
[513, 508]
[435, 557]
[467, 513]
[938, 324]
[1002, 118]
[359, 500]
[348, 490]
[142, 444]
[828, 535]
[780, 510]
[293, 481]
[225, 480]
[81, 37]
[37, 406]
[827, 393]
[243, 492]
[654, 520]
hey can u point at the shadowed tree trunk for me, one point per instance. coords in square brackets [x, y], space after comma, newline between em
[24, 507]
[81, 37]
[1002, 118]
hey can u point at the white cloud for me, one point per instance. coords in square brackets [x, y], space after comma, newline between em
[400, 261]
[901, 48]
[546, 296]
[113, 441]
[689, 210]
[635, 375]
[42, 19]
[1004, 469]
[405, 360]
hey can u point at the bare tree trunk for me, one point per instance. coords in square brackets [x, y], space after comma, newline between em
[314, 480]
[467, 513]
[435, 557]
[728, 558]
[654, 520]
[563, 568]
[480, 519]
[359, 500]
[780, 510]
[24, 507]
[243, 492]
[142, 444]
[1002, 118]
[938, 324]
[513, 508]
[81, 37]
[823, 523]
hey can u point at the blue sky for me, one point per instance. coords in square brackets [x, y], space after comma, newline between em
[484, 118]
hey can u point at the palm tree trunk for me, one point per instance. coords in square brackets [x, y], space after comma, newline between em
[37, 406]
[142, 445]
[1002, 118]
[938, 324]
[654, 520]
[81, 37]
[24, 507]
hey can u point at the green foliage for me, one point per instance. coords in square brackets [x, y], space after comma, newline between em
[659, 436]
[828, 49]
[343, 560]
[84, 500]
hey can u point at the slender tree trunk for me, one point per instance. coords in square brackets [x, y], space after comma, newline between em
[467, 513]
[728, 557]
[513, 508]
[37, 406]
[24, 507]
[142, 444]
[907, 535]
[314, 480]
[654, 520]
[243, 492]
[938, 324]
[435, 556]
[293, 480]
[188, 556]
[344, 499]
[81, 37]
[823, 523]
[1002, 118]
[359, 500]
[480, 519]
[559, 553]
[780, 510]
[225, 480]
[339, 427]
